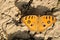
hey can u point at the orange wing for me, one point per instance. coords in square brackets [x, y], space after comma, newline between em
[31, 22]
[45, 22]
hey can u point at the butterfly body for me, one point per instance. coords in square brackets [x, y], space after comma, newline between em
[38, 23]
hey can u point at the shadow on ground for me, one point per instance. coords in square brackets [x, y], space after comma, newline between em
[23, 36]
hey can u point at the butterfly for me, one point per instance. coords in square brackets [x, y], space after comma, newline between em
[38, 23]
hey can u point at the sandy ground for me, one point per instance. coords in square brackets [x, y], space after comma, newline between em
[10, 8]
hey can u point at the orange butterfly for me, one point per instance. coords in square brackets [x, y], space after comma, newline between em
[38, 23]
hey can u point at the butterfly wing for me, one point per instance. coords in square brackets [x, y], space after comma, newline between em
[38, 24]
[45, 22]
[30, 22]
